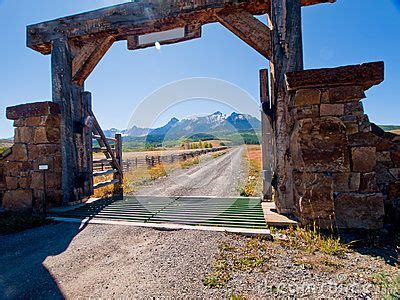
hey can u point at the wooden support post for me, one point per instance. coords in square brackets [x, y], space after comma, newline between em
[287, 56]
[88, 144]
[62, 89]
[118, 192]
[268, 153]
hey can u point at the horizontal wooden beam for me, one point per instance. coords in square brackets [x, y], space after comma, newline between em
[191, 32]
[105, 183]
[134, 18]
[364, 75]
[313, 2]
[137, 18]
[249, 29]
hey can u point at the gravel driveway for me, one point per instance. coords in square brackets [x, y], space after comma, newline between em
[105, 261]
[109, 261]
[218, 177]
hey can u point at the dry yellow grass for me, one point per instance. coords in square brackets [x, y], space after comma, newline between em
[253, 185]
[397, 131]
[135, 178]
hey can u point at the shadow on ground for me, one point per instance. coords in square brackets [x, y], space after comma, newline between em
[22, 273]
[383, 244]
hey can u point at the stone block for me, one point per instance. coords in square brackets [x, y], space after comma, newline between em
[306, 112]
[51, 121]
[44, 135]
[46, 120]
[53, 181]
[307, 97]
[363, 139]
[383, 156]
[320, 145]
[364, 123]
[314, 192]
[57, 163]
[30, 122]
[55, 198]
[359, 211]
[351, 127]
[19, 152]
[45, 160]
[331, 110]
[43, 150]
[395, 173]
[24, 182]
[368, 183]
[19, 168]
[365, 75]
[23, 135]
[18, 200]
[11, 183]
[363, 159]
[343, 94]
[346, 182]
[354, 108]
[32, 110]
[394, 190]
[396, 158]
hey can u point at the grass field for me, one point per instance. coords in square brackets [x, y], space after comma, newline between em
[253, 185]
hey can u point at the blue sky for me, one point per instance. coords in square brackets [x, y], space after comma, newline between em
[348, 32]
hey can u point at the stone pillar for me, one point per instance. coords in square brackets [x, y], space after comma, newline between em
[333, 162]
[36, 142]
[2, 180]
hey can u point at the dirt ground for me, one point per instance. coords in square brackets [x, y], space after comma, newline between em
[65, 261]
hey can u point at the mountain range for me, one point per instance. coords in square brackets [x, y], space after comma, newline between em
[216, 124]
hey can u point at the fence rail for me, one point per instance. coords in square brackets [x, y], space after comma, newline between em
[153, 160]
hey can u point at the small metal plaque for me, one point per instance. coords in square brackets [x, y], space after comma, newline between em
[43, 167]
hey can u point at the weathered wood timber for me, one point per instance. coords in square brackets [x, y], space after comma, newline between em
[287, 56]
[105, 183]
[191, 32]
[106, 148]
[249, 29]
[118, 192]
[365, 75]
[88, 56]
[88, 144]
[137, 18]
[267, 142]
[61, 69]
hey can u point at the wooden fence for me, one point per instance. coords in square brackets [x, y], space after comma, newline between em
[151, 161]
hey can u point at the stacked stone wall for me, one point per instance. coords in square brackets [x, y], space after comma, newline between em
[388, 170]
[2, 180]
[336, 155]
[36, 142]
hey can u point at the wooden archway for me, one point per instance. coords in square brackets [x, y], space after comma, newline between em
[77, 44]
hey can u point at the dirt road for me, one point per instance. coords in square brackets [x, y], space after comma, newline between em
[219, 177]
[59, 261]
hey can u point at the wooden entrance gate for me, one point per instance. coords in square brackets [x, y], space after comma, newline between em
[77, 43]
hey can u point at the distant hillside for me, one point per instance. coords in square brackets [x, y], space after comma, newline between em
[390, 127]
[236, 127]
[4, 144]
[134, 131]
